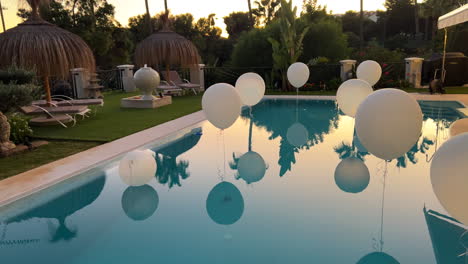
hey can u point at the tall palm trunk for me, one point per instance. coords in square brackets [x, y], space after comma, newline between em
[361, 27]
[250, 13]
[1, 15]
[93, 15]
[148, 18]
[416, 17]
[165, 5]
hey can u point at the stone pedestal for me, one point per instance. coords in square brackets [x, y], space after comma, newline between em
[197, 75]
[413, 71]
[347, 67]
[5, 144]
[80, 80]
[126, 77]
[139, 102]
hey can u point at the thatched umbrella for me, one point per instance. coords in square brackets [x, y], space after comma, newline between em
[166, 47]
[45, 48]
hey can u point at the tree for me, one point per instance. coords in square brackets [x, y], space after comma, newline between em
[288, 48]
[236, 23]
[433, 9]
[148, 17]
[3, 19]
[252, 22]
[400, 15]
[266, 10]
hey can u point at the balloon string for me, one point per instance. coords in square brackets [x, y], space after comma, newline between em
[250, 130]
[218, 139]
[224, 154]
[297, 104]
[383, 204]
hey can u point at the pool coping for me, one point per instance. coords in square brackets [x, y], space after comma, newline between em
[24, 184]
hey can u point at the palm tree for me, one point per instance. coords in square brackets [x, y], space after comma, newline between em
[3, 19]
[416, 16]
[148, 17]
[250, 13]
[361, 27]
[165, 5]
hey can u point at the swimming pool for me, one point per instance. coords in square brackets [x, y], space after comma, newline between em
[295, 214]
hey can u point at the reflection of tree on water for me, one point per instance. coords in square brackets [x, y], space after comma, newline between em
[170, 171]
[276, 116]
[346, 150]
[420, 147]
[447, 237]
[63, 206]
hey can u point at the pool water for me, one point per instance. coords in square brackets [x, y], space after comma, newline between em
[296, 213]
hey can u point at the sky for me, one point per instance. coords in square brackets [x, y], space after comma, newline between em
[199, 8]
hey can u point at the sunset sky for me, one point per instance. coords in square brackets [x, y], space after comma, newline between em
[200, 8]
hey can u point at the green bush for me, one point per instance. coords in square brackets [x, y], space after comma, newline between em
[16, 75]
[13, 96]
[379, 54]
[20, 132]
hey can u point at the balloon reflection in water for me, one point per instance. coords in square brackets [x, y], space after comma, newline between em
[352, 175]
[140, 202]
[251, 167]
[377, 258]
[297, 135]
[225, 204]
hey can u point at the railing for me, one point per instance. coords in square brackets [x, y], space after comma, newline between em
[110, 79]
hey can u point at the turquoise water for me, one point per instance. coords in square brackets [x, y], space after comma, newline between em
[296, 213]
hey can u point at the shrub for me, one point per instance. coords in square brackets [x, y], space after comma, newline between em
[13, 96]
[334, 83]
[379, 54]
[16, 75]
[20, 132]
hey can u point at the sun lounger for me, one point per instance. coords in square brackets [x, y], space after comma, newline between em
[184, 84]
[53, 115]
[168, 89]
[61, 100]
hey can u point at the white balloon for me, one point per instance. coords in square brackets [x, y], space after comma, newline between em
[251, 88]
[146, 79]
[369, 71]
[222, 105]
[350, 95]
[251, 167]
[449, 176]
[459, 127]
[389, 123]
[298, 74]
[352, 175]
[137, 167]
[297, 135]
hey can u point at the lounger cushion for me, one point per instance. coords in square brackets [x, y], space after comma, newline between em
[33, 110]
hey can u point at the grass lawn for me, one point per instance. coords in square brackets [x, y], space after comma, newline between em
[112, 122]
[31, 159]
